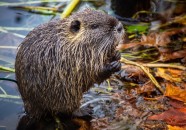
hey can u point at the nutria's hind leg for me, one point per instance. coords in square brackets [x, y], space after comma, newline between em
[64, 121]
[27, 123]
[82, 118]
[34, 111]
[58, 123]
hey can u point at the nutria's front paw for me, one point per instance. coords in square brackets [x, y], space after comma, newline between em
[109, 69]
[116, 56]
[114, 66]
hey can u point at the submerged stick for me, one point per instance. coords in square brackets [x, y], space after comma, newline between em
[7, 79]
[15, 34]
[5, 95]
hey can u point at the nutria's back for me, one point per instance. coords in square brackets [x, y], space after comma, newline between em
[61, 59]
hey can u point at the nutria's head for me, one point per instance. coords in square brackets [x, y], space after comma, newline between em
[95, 28]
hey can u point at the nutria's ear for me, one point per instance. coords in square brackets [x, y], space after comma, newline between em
[75, 26]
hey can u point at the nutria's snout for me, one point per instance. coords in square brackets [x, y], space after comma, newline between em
[119, 28]
[119, 33]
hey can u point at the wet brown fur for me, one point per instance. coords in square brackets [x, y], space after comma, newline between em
[55, 65]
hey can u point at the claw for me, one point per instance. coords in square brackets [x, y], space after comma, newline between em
[116, 56]
[115, 66]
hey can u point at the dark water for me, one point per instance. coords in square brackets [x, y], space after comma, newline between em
[11, 106]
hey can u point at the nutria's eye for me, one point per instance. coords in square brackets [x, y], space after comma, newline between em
[94, 26]
[75, 26]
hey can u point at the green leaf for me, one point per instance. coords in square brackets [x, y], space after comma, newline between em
[141, 28]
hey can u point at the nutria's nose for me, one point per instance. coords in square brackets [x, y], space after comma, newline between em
[119, 28]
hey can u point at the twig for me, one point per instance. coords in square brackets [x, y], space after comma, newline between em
[8, 47]
[69, 8]
[15, 34]
[38, 9]
[4, 92]
[94, 100]
[165, 65]
[9, 96]
[16, 28]
[142, 12]
[145, 70]
[9, 60]
[30, 2]
[181, 18]
[5, 95]
[7, 69]
[109, 88]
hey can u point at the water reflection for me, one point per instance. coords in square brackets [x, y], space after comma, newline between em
[14, 26]
[11, 104]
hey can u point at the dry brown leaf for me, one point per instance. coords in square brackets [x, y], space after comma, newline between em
[175, 92]
[133, 73]
[171, 75]
[163, 38]
[176, 127]
[156, 39]
[172, 116]
[147, 88]
[99, 124]
[177, 104]
[84, 125]
[127, 46]
[166, 55]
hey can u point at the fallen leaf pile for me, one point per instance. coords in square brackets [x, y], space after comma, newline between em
[140, 103]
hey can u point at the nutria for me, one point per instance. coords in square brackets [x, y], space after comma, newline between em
[61, 59]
